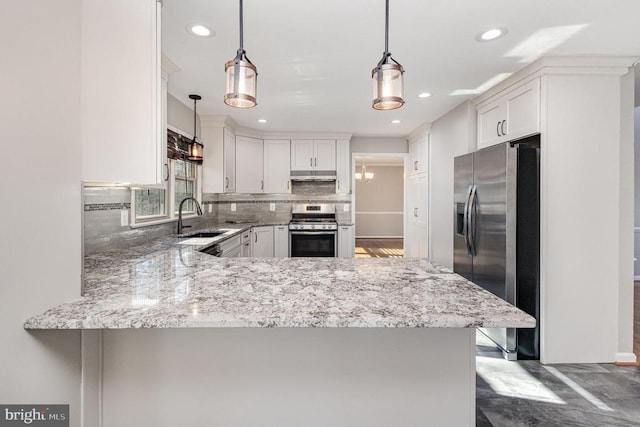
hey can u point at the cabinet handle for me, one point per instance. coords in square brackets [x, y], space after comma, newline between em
[166, 165]
[262, 185]
[415, 212]
[256, 234]
[415, 165]
[288, 183]
[502, 127]
[498, 128]
[338, 184]
[316, 161]
[311, 161]
[226, 182]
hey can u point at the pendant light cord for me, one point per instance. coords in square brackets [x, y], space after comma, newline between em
[194, 119]
[241, 29]
[386, 27]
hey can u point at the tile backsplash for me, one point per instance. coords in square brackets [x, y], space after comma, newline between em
[103, 207]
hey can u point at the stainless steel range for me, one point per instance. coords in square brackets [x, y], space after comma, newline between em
[313, 230]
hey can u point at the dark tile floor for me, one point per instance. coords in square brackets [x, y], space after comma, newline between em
[527, 393]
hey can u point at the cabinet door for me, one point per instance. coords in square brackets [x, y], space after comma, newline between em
[345, 241]
[121, 92]
[418, 200]
[343, 167]
[262, 242]
[229, 154]
[301, 155]
[418, 156]
[491, 124]
[523, 110]
[249, 163]
[324, 158]
[245, 242]
[277, 166]
[281, 241]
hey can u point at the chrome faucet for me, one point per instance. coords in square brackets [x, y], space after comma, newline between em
[198, 211]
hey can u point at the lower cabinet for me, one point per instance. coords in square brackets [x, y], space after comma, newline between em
[262, 242]
[345, 241]
[231, 248]
[245, 243]
[281, 241]
[416, 244]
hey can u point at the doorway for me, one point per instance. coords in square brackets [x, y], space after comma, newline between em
[378, 200]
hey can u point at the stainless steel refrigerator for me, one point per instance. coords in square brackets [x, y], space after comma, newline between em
[497, 233]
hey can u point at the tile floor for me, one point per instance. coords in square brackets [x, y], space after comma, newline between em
[527, 393]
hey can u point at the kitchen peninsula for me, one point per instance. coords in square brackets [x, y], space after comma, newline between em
[349, 341]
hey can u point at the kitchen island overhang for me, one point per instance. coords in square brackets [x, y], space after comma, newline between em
[277, 341]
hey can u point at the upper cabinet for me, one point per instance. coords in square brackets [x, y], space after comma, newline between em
[121, 128]
[343, 167]
[313, 155]
[249, 165]
[418, 156]
[514, 115]
[277, 166]
[219, 155]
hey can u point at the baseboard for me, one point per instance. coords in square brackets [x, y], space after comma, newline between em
[626, 359]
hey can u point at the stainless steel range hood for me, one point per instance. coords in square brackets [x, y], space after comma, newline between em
[313, 175]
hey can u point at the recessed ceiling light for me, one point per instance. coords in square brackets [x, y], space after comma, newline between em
[262, 120]
[491, 34]
[200, 30]
[395, 122]
[424, 95]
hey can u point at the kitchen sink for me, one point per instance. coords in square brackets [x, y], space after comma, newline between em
[205, 234]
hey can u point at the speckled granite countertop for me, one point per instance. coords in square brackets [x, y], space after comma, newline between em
[164, 284]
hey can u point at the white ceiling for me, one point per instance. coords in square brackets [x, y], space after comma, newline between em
[314, 57]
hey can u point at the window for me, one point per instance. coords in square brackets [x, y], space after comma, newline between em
[185, 174]
[152, 205]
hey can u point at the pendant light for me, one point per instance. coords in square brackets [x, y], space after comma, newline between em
[363, 176]
[242, 78]
[195, 148]
[387, 76]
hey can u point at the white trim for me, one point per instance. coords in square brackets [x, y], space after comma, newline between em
[625, 358]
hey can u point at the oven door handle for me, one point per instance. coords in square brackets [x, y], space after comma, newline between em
[313, 232]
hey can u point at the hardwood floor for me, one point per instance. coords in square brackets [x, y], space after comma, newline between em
[379, 248]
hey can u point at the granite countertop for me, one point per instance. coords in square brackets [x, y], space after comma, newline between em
[164, 284]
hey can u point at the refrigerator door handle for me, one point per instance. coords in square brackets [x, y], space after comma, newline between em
[465, 220]
[473, 222]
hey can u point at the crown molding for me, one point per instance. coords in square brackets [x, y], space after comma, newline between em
[220, 121]
[561, 65]
[419, 132]
[168, 67]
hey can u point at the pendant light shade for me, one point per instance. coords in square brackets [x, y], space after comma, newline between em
[195, 148]
[242, 78]
[388, 81]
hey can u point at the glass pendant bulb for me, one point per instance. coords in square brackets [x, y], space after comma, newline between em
[388, 80]
[195, 147]
[242, 78]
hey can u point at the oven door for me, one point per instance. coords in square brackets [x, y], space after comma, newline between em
[312, 243]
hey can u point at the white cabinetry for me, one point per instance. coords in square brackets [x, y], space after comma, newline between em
[231, 248]
[277, 166]
[280, 241]
[418, 155]
[346, 245]
[219, 162]
[121, 129]
[416, 240]
[249, 165]
[343, 167]
[262, 242]
[313, 155]
[514, 115]
[245, 242]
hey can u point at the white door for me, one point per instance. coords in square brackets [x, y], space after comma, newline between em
[281, 241]
[262, 242]
[229, 154]
[249, 164]
[324, 155]
[301, 155]
[343, 167]
[277, 166]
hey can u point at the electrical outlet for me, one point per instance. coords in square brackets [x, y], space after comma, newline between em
[210, 207]
[233, 207]
[124, 218]
[346, 207]
[272, 206]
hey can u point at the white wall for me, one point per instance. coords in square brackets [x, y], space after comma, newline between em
[380, 203]
[181, 116]
[451, 135]
[378, 145]
[636, 269]
[41, 250]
